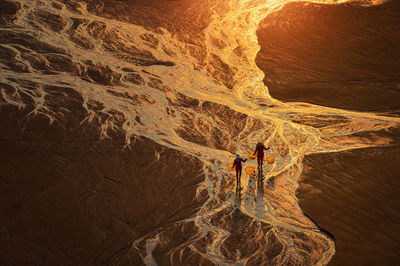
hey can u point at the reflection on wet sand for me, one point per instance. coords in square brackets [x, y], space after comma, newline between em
[125, 71]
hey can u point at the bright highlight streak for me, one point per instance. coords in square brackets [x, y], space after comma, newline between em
[230, 42]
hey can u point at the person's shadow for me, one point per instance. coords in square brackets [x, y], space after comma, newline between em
[260, 177]
[260, 173]
[236, 218]
[260, 188]
[238, 198]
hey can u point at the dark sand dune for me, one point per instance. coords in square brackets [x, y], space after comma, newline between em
[355, 195]
[344, 56]
[68, 197]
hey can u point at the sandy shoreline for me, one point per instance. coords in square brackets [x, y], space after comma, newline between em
[355, 195]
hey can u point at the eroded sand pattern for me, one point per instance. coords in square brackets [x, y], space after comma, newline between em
[189, 85]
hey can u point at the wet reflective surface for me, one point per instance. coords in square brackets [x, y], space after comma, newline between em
[134, 110]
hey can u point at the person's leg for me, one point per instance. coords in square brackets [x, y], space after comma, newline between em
[237, 178]
[240, 176]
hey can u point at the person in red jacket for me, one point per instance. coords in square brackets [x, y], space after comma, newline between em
[237, 164]
[260, 155]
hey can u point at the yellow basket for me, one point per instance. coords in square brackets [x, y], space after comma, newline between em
[250, 170]
[230, 167]
[270, 159]
[251, 156]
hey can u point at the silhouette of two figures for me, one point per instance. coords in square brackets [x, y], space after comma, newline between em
[237, 164]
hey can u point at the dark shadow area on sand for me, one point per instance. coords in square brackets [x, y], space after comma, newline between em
[342, 56]
[319, 228]
[66, 196]
[355, 195]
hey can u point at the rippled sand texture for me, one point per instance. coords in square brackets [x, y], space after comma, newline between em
[120, 118]
[342, 56]
[70, 198]
[358, 205]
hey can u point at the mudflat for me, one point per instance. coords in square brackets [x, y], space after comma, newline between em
[68, 196]
[355, 195]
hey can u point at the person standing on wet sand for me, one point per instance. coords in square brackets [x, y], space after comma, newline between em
[260, 154]
[237, 164]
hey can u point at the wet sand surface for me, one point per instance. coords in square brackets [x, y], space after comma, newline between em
[343, 56]
[355, 195]
[69, 197]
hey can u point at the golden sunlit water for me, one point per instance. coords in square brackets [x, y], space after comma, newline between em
[230, 37]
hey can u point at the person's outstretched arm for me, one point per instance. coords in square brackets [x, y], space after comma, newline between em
[266, 148]
[254, 154]
[234, 163]
[244, 160]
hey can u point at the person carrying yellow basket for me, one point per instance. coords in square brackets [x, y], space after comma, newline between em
[237, 164]
[260, 154]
